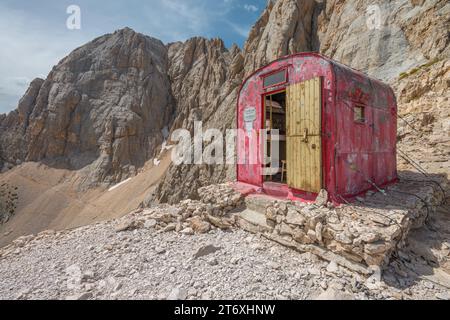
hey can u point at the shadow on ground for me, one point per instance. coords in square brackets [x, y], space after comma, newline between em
[425, 256]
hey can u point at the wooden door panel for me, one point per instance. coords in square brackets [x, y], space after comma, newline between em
[304, 156]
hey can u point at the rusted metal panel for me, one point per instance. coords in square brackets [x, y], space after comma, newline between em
[365, 152]
[354, 155]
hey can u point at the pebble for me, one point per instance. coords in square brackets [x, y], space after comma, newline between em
[213, 262]
[160, 250]
[443, 296]
[187, 231]
[177, 294]
[140, 270]
[333, 267]
[80, 296]
[149, 224]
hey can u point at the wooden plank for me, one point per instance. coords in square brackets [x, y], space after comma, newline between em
[301, 180]
[304, 112]
[289, 100]
[291, 164]
[314, 131]
[316, 180]
[310, 126]
[318, 88]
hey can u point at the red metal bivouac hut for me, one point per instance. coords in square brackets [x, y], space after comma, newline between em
[336, 129]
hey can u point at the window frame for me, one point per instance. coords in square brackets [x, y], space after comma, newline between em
[264, 76]
[363, 119]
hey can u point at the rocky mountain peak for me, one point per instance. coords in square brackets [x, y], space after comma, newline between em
[285, 27]
[102, 107]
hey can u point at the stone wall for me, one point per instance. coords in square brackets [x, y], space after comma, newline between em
[213, 210]
[360, 236]
[365, 233]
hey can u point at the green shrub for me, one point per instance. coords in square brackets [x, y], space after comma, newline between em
[403, 75]
[413, 71]
[8, 202]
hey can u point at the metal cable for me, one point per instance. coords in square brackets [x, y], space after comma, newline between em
[423, 172]
[415, 195]
[412, 162]
[432, 181]
[407, 122]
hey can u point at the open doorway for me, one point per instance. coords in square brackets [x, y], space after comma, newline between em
[275, 119]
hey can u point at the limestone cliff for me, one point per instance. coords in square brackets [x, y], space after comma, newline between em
[205, 79]
[108, 106]
[102, 108]
[386, 40]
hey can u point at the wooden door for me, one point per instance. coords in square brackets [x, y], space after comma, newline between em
[304, 143]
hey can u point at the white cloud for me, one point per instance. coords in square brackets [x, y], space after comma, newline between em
[29, 50]
[34, 36]
[178, 20]
[250, 7]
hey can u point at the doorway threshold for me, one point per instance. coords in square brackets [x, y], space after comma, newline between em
[274, 191]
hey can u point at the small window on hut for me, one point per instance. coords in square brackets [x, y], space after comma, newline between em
[275, 78]
[359, 114]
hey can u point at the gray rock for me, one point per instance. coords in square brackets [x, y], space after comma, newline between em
[170, 227]
[187, 231]
[177, 294]
[149, 224]
[160, 250]
[294, 217]
[127, 225]
[80, 296]
[333, 267]
[213, 261]
[206, 250]
[443, 296]
[333, 294]
[322, 198]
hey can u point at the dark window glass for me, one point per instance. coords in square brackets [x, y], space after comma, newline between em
[359, 113]
[275, 78]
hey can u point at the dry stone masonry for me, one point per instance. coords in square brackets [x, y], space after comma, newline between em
[361, 236]
[365, 234]
[213, 210]
[181, 251]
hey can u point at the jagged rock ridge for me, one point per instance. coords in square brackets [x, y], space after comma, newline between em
[205, 79]
[340, 30]
[107, 106]
[103, 108]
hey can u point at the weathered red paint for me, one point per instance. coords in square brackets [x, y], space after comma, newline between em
[356, 156]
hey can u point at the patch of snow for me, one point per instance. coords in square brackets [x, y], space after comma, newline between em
[119, 184]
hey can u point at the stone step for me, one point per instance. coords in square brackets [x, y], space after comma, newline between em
[258, 203]
[253, 221]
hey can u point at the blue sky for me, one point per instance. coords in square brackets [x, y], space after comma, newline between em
[34, 37]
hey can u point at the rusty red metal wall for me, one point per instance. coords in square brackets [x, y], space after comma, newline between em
[356, 156]
[365, 152]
